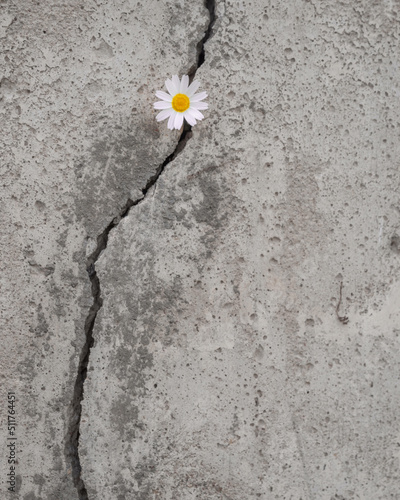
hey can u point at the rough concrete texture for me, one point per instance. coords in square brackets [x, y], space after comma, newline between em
[228, 362]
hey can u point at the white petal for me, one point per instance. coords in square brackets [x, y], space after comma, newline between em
[196, 114]
[172, 120]
[177, 83]
[171, 87]
[165, 113]
[198, 97]
[163, 95]
[162, 105]
[178, 121]
[199, 105]
[189, 117]
[184, 84]
[193, 88]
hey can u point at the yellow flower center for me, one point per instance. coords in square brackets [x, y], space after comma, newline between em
[180, 102]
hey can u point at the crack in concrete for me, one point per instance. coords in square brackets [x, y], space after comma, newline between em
[72, 442]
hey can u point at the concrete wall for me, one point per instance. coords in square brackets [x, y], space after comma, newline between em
[210, 315]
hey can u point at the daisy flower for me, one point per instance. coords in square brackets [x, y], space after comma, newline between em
[181, 102]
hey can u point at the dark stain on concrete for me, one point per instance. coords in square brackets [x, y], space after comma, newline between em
[118, 164]
[207, 211]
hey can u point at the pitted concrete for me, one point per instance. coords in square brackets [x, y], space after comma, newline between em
[220, 368]
[79, 139]
[228, 372]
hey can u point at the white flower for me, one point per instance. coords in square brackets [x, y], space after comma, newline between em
[181, 102]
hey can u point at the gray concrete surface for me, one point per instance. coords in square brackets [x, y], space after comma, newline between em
[208, 340]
